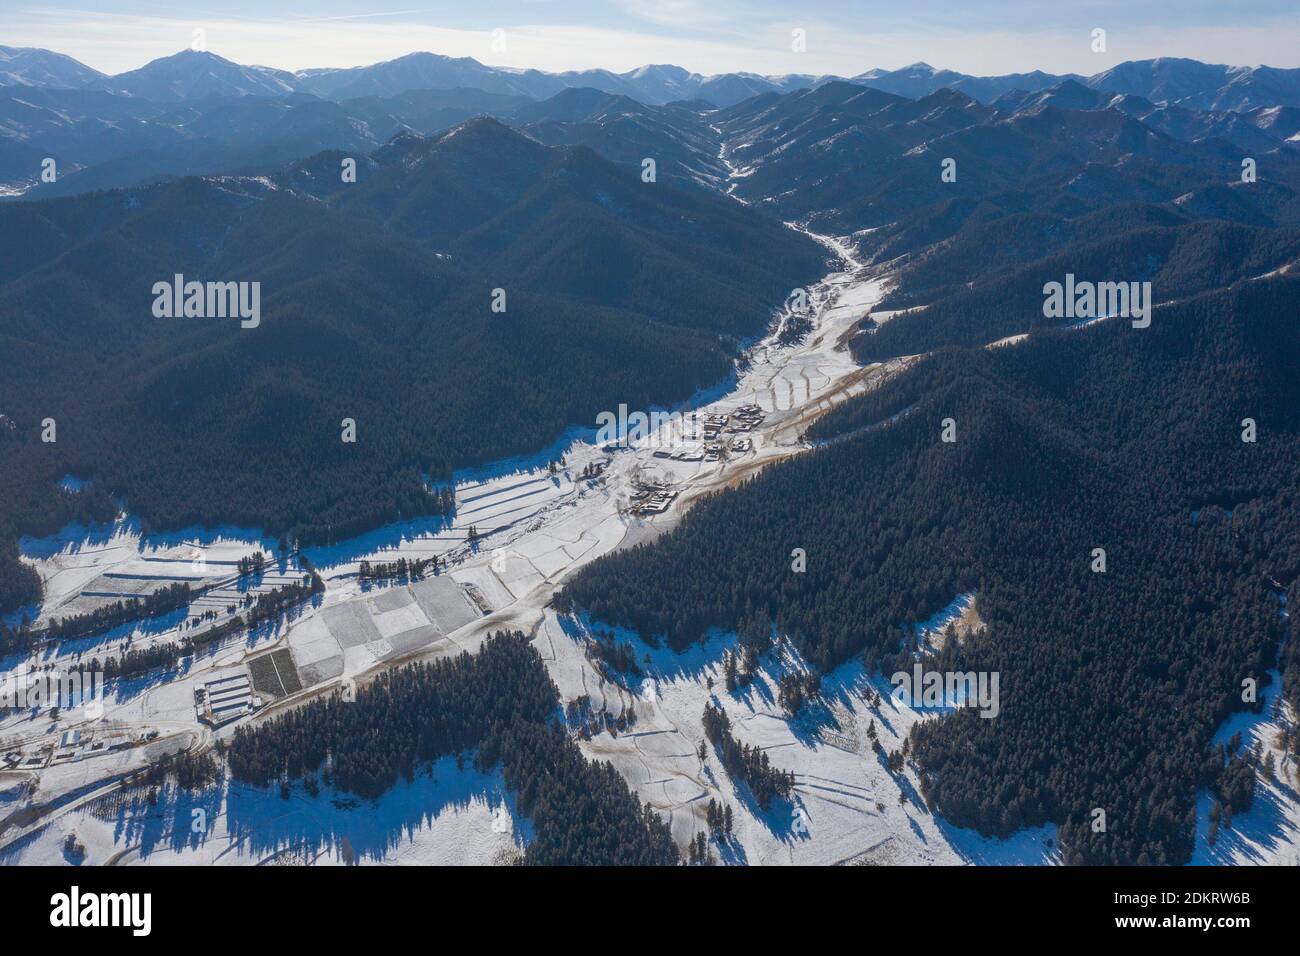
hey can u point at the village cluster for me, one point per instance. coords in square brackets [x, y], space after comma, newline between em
[721, 434]
[71, 746]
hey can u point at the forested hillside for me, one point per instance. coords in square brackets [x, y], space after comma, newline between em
[615, 292]
[1110, 437]
[569, 222]
[948, 248]
[981, 303]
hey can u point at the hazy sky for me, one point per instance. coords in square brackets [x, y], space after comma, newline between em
[708, 36]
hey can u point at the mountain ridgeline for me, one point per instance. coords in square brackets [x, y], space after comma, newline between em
[845, 158]
[196, 113]
[196, 74]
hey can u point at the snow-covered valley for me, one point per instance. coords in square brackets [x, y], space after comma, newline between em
[533, 528]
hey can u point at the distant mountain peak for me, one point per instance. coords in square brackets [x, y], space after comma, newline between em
[483, 126]
[31, 66]
[439, 57]
[668, 69]
[485, 135]
[191, 54]
[195, 74]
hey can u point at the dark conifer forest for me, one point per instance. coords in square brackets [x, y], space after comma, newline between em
[1007, 297]
[1110, 437]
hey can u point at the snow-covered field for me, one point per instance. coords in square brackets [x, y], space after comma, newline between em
[449, 816]
[85, 568]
